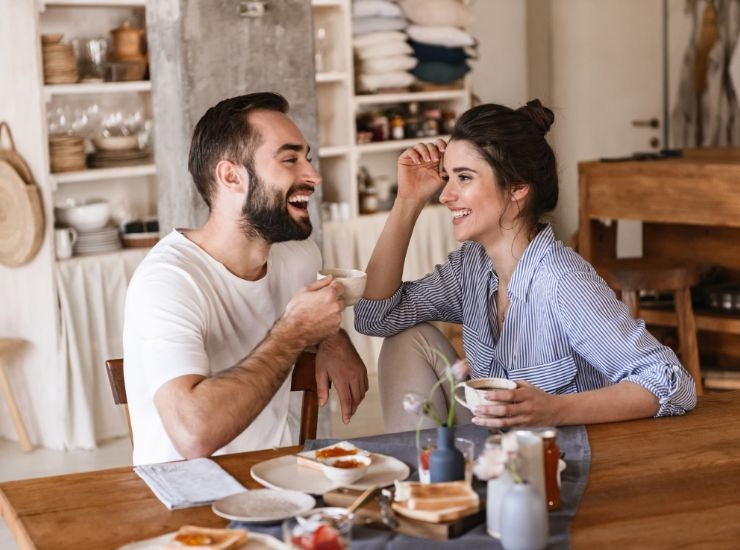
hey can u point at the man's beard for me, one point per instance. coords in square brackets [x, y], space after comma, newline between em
[266, 216]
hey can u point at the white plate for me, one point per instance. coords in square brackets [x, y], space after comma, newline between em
[263, 505]
[255, 541]
[285, 473]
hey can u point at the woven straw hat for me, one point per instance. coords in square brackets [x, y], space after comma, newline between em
[21, 216]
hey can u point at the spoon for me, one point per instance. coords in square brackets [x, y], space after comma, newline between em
[362, 499]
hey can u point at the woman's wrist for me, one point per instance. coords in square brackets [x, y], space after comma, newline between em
[409, 206]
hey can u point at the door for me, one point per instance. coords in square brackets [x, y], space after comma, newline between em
[607, 83]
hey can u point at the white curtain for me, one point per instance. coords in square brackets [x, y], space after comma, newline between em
[91, 294]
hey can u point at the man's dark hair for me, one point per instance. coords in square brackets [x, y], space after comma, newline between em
[224, 132]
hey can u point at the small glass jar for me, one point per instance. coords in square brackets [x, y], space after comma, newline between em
[398, 127]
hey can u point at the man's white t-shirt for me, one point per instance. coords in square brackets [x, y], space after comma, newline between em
[187, 314]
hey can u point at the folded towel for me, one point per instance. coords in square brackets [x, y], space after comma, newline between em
[364, 25]
[452, 13]
[450, 37]
[375, 65]
[395, 79]
[440, 73]
[375, 38]
[390, 49]
[376, 8]
[188, 483]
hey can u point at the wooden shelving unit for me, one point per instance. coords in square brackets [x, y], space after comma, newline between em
[99, 17]
[339, 153]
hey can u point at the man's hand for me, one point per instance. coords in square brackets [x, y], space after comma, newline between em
[314, 313]
[338, 361]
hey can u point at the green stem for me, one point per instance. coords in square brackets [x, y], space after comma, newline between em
[451, 381]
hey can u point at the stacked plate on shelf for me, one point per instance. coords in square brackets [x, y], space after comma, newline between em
[66, 153]
[97, 242]
[113, 159]
[114, 151]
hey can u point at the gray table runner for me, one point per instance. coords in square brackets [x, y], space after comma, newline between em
[573, 441]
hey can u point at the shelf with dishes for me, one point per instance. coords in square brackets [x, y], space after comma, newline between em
[101, 174]
[43, 4]
[85, 88]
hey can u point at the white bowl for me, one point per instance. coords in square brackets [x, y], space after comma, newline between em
[353, 281]
[116, 143]
[83, 215]
[346, 475]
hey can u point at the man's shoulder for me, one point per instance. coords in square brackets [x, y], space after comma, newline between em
[173, 258]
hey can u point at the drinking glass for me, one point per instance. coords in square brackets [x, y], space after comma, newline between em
[319, 528]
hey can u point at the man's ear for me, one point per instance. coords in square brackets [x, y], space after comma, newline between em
[229, 175]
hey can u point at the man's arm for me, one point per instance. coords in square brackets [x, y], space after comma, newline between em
[337, 360]
[202, 414]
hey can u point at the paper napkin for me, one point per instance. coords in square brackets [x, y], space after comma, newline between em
[188, 483]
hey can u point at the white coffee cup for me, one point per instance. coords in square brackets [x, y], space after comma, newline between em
[64, 240]
[477, 388]
[353, 281]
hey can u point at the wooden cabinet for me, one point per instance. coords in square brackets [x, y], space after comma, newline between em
[690, 209]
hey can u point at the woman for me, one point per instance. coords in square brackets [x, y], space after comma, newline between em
[532, 310]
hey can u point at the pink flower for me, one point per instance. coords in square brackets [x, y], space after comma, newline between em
[460, 370]
[413, 403]
[490, 464]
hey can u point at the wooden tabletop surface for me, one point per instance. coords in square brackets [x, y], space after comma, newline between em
[658, 483]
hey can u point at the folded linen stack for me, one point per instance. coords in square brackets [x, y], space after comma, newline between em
[439, 40]
[382, 54]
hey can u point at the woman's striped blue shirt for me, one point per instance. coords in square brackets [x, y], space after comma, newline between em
[565, 330]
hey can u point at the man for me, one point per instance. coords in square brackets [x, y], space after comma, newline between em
[215, 317]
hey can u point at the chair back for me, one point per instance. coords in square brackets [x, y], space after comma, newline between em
[303, 379]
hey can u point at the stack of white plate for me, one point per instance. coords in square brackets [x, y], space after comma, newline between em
[97, 242]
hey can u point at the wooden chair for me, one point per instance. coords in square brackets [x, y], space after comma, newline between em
[630, 275]
[303, 379]
[8, 346]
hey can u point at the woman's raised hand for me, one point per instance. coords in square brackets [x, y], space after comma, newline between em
[419, 176]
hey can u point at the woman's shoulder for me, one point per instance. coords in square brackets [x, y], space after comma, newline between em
[563, 264]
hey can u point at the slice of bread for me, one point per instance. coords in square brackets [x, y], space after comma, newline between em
[204, 538]
[311, 459]
[436, 496]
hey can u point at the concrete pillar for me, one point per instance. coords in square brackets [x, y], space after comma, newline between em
[202, 51]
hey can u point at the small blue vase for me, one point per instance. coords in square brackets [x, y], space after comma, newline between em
[446, 463]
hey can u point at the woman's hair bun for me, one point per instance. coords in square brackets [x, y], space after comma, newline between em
[540, 115]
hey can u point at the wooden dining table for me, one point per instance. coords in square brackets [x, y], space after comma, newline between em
[654, 483]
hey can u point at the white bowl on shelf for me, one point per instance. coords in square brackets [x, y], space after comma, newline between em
[83, 215]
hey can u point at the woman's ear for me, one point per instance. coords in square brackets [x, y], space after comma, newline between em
[229, 175]
[519, 191]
